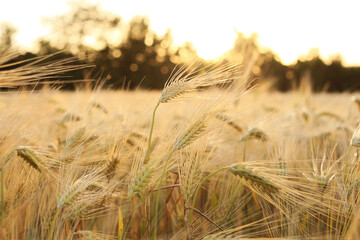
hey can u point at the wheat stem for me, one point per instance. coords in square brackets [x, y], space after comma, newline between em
[147, 156]
[165, 187]
[249, 174]
[53, 223]
[125, 220]
[346, 165]
[197, 191]
[206, 217]
[158, 193]
[2, 186]
[30, 157]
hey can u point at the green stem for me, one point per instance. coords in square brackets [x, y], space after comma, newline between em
[2, 186]
[147, 215]
[346, 166]
[125, 221]
[158, 194]
[53, 223]
[198, 188]
[147, 156]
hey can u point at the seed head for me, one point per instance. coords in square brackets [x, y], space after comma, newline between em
[141, 181]
[193, 132]
[187, 80]
[355, 140]
[248, 174]
[30, 157]
[255, 133]
[231, 123]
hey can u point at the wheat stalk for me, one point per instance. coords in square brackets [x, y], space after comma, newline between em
[71, 190]
[70, 117]
[197, 191]
[355, 140]
[141, 181]
[184, 139]
[248, 174]
[99, 106]
[190, 134]
[173, 91]
[227, 120]
[30, 157]
[70, 193]
[192, 161]
[256, 133]
[183, 82]
[77, 138]
[190, 176]
[111, 167]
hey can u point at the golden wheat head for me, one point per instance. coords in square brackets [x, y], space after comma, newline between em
[248, 174]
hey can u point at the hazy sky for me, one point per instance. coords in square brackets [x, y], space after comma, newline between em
[290, 28]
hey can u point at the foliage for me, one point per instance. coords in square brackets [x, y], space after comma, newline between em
[131, 55]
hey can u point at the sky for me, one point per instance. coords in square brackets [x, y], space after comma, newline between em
[289, 28]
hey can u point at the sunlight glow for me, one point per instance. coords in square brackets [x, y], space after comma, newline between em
[289, 28]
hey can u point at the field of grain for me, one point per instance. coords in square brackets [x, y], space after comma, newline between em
[207, 157]
[78, 165]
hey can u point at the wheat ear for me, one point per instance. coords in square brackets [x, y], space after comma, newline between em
[70, 117]
[77, 137]
[186, 80]
[69, 194]
[255, 133]
[192, 133]
[111, 167]
[355, 140]
[99, 106]
[190, 176]
[184, 139]
[248, 174]
[30, 157]
[141, 181]
[227, 120]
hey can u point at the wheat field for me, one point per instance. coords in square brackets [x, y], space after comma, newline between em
[188, 162]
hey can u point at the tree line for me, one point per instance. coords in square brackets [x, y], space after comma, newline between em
[133, 56]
